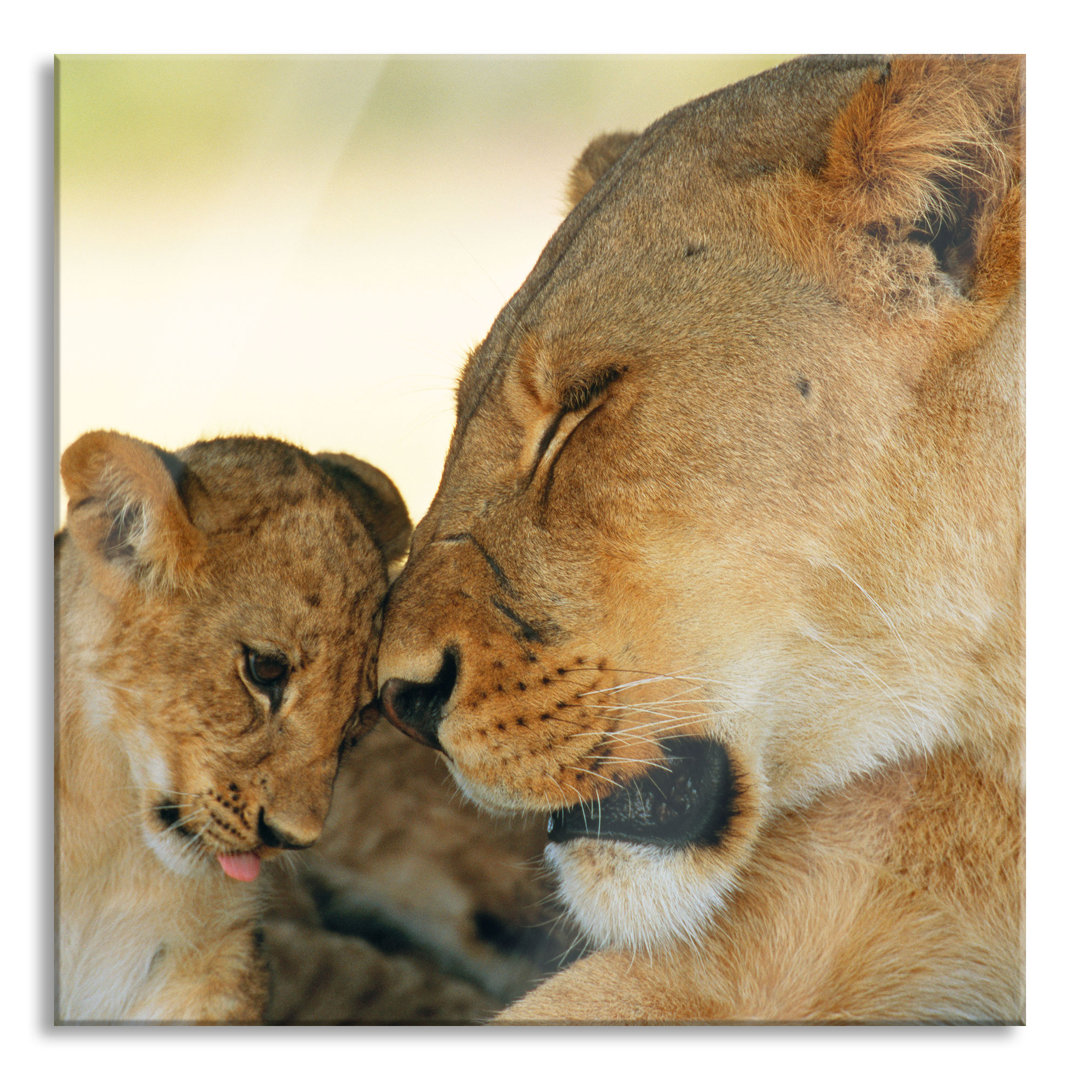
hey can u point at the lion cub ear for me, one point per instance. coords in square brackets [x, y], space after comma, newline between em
[376, 500]
[596, 159]
[926, 161]
[126, 514]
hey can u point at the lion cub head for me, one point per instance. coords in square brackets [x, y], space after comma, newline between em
[220, 608]
[732, 510]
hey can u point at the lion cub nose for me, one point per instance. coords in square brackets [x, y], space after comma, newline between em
[417, 708]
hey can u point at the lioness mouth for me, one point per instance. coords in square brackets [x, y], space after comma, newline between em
[686, 800]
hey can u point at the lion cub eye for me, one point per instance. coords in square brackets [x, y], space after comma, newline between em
[267, 672]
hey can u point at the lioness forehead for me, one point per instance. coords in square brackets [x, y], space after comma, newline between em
[731, 137]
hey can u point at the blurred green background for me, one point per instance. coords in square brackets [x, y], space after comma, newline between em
[306, 246]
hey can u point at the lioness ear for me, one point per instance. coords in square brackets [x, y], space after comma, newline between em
[927, 161]
[125, 512]
[376, 500]
[597, 158]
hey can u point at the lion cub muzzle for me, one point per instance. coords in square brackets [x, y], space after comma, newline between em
[235, 829]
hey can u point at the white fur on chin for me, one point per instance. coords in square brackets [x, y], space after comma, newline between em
[636, 896]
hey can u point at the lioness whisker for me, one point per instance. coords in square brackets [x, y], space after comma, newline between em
[666, 724]
[635, 707]
[662, 723]
[643, 719]
[626, 685]
[860, 665]
[884, 616]
[638, 761]
[601, 776]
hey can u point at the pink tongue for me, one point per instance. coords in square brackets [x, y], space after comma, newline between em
[242, 867]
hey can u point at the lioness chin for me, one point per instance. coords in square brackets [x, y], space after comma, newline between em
[725, 570]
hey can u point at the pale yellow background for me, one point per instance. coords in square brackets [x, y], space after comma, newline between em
[307, 246]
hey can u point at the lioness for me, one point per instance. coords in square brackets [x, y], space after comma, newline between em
[725, 571]
[217, 616]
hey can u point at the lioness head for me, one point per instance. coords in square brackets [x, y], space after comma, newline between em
[222, 605]
[731, 512]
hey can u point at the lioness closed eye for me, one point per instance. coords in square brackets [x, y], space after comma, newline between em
[217, 614]
[725, 571]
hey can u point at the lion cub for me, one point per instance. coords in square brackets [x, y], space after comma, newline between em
[217, 615]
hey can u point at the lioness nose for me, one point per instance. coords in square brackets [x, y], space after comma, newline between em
[276, 836]
[417, 708]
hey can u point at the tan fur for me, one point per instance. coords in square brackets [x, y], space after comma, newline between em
[743, 461]
[171, 570]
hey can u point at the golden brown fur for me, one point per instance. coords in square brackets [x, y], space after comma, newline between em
[413, 907]
[217, 613]
[730, 542]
